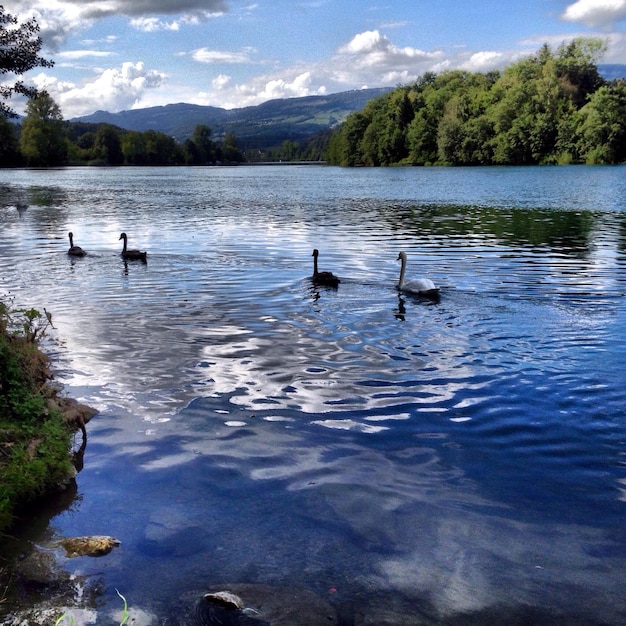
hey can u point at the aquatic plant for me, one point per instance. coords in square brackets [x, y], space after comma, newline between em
[125, 614]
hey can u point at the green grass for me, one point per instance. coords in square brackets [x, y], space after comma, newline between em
[34, 439]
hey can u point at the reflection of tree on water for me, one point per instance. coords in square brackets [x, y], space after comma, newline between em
[567, 231]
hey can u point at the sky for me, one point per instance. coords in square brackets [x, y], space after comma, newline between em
[117, 55]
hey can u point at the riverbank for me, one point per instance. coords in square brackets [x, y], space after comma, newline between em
[36, 422]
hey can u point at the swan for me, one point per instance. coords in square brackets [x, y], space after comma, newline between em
[323, 278]
[132, 254]
[75, 250]
[419, 286]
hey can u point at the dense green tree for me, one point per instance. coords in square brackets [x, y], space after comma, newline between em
[19, 52]
[601, 126]
[205, 145]
[191, 153]
[551, 107]
[43, 141]
[10, 155]
[134, 148]
[230, 150]
[107, 146]
[577, 67]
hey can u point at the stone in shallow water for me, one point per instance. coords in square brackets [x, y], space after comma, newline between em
[95, 545]
[263, 605]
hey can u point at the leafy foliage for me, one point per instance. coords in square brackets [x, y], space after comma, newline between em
[43, 141]
[34, 440]
[19, 52]
[552, 107]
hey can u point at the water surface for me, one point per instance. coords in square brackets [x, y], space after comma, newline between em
[405, 460]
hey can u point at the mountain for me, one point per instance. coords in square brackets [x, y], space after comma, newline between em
[263, 126]
[612, 71]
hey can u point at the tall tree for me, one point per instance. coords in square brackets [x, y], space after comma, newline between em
[43, 141]
[9, 150]
[205, 145]
[19, 52]
[107, 147]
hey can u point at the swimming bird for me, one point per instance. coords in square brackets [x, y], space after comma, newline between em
[419, 286]
[323, 278]
[132, 255]
[75, 250]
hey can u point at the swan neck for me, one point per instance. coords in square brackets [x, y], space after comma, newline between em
[402, 271]
[315, 264]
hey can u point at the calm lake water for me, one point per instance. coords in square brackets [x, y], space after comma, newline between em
[401, 460]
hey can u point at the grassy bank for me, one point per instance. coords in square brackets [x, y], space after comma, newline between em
[35, 434]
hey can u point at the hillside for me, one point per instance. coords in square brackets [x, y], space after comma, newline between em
[256, 127]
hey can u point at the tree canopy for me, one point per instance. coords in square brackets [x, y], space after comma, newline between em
[552, 107]
[19, 52]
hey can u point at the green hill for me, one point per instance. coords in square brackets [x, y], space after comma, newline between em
[257, 127]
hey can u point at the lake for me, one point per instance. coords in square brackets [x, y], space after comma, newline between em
[391, 459]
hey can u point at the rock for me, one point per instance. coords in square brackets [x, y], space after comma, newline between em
[257, 605]
[96, 545]
[225, 599]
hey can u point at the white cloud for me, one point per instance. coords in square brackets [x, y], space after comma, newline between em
[153, 24]
[220, 82]
[596, 13]
[484, 61]
[371, 58]
[57, 19]
[116, 89]
[95, 9]
[81, 54]
[204, 55]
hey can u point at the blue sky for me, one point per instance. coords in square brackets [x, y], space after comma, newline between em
[123, 54]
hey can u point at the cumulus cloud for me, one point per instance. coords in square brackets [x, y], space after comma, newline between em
[596, 13]
[259, 89]
[220, 82]
[115, 89]
[371, 58]
[484, 61]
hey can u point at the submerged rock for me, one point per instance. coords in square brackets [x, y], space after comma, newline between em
[96, 545]
[257, 605]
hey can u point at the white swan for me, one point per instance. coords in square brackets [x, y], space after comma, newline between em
[419, 286]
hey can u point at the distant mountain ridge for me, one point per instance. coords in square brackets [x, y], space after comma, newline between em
[256, 127]
[266, 125]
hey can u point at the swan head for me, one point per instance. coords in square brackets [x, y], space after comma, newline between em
[401, 256]
[122, 236]
[315, 252]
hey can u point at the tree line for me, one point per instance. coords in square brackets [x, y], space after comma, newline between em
[44, 139]
[552, 107]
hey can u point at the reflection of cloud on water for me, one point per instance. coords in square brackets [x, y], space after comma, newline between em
[290, 367]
